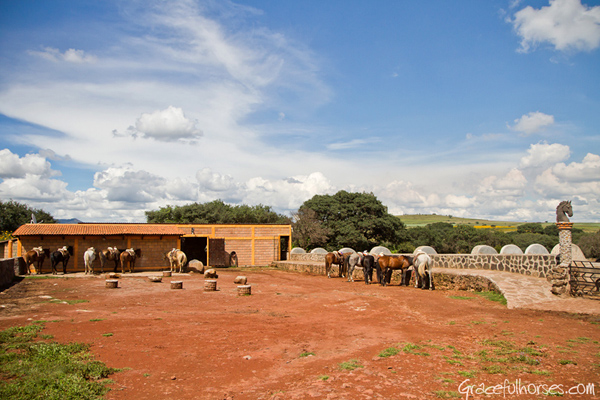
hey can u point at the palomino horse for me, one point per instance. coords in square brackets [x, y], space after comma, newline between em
[36, 254]
[389, 263]
[129, 256]
[110, 254]
[176, 258]
[334, 258]
[423, 270]
[88, 260]
[61, 255]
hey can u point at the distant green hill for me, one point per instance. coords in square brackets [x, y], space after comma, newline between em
[415, 220]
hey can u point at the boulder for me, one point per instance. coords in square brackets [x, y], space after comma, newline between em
[210, 274]
[196, 266]
[240, 280]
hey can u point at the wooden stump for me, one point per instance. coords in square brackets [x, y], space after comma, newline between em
[167, 273]
[210, 285]
[176, 284]
[112, 283]
[155, 278]
[244, 290]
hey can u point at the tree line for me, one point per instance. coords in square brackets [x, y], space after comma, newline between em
[344, 219]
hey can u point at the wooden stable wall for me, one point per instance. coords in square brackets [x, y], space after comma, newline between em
[253, 244]
[153, 248]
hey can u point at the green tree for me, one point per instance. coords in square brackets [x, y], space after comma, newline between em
[307, 231]
[531, 227]
[356, 220]
[216, 212]
[589, 243]
[14, 214]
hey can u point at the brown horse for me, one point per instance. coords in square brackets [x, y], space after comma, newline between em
[110, 254]
[335, 258]
[176, 258]
[129, 256]
[386, 264]
[61, 255]
[37, 254]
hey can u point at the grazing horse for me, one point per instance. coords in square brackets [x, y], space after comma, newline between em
[176, 258]
[368, 264]
[88, 260]
[129, 256]
[36, 254]
[355, 260]
[110, 254]
[423, 268]
[389, 263]
[334, 258]
[61, 255]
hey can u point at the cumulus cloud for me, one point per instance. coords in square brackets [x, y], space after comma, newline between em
[565, 24]
[214, 181]
[542, 155]
[165, 125]
[128, 185]
[13, 166]
[586, 171]
[71, 55]
[510, 185]
[532, 122]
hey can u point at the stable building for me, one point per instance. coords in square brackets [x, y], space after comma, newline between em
[212, 244]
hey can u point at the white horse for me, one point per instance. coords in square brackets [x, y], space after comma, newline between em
[88, 260]
[176, 258]
[355, 260]
[423, 266]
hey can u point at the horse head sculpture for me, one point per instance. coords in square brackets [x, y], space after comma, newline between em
[562, 210]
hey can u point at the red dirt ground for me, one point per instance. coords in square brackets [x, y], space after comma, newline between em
[192, 344]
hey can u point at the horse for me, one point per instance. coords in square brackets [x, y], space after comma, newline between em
[563, 209]
[128, 256]
[176, 258]
[36, 254]
[112, 254]
[334, 258]
[423, 267]
[368, 264]
[386, 264]
[61, 255]
[354, 260]
[88, 260]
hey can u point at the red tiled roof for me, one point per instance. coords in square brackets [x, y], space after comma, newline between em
[96, 229]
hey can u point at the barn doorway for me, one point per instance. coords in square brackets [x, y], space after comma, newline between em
[195, 248]
[284, 242]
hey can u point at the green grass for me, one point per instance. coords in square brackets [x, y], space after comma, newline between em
[390, 351]
[306, 354]
[34, 369]
[323, 377]
[96, 319]
[460, 297]
[350, 365]
[493, 296]
[109, 334]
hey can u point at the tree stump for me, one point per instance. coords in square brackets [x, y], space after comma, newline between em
[244, 290]
[112, 283]
[167, 273]
[210, 285]
[176, 284]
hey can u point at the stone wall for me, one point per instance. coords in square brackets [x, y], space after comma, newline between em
[538, 265]
[7, 271]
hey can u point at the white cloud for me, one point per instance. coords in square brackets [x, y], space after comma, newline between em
[166, 125]
[510, 185]
[586, 171]
[542, 155]
[213, 181]
[354, 143]
[565, 24]
[71, 56]
[12, 166]
[532, 122]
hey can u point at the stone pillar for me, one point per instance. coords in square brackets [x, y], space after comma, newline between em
[559, 277]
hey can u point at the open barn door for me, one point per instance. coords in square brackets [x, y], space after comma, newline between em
[217, 257]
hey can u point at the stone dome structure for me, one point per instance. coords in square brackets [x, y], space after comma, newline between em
[483, 249]
[427, 249]
[511, 249]
[298, 250]
[536, 249]
[319, 250]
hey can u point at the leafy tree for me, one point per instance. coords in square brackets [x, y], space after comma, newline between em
[216, 212]
[307, 231]
[14, 214]
[356, 220]
[589, 243]
[531, 227]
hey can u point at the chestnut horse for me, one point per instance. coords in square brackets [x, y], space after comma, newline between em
[386, 264]
[110, 254]
[61, 255]
[129, 256]
[335, 258]
[37, 254]
[176, 258]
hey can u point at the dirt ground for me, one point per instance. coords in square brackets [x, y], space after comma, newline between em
[292, 338]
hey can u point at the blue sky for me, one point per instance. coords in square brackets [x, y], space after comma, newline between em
[487, 109]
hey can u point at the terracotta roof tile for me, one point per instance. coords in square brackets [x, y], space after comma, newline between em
[97, 229]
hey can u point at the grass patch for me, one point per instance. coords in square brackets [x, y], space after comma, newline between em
[411, 347]
[460, 297]
[493, 296]
[567, 362]
[447, 394]
[306, 354]
[390, 351]
[32, 369]
[350, 365]
[109, 334]
[467, 374]
[323, 377]
[96, 319]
